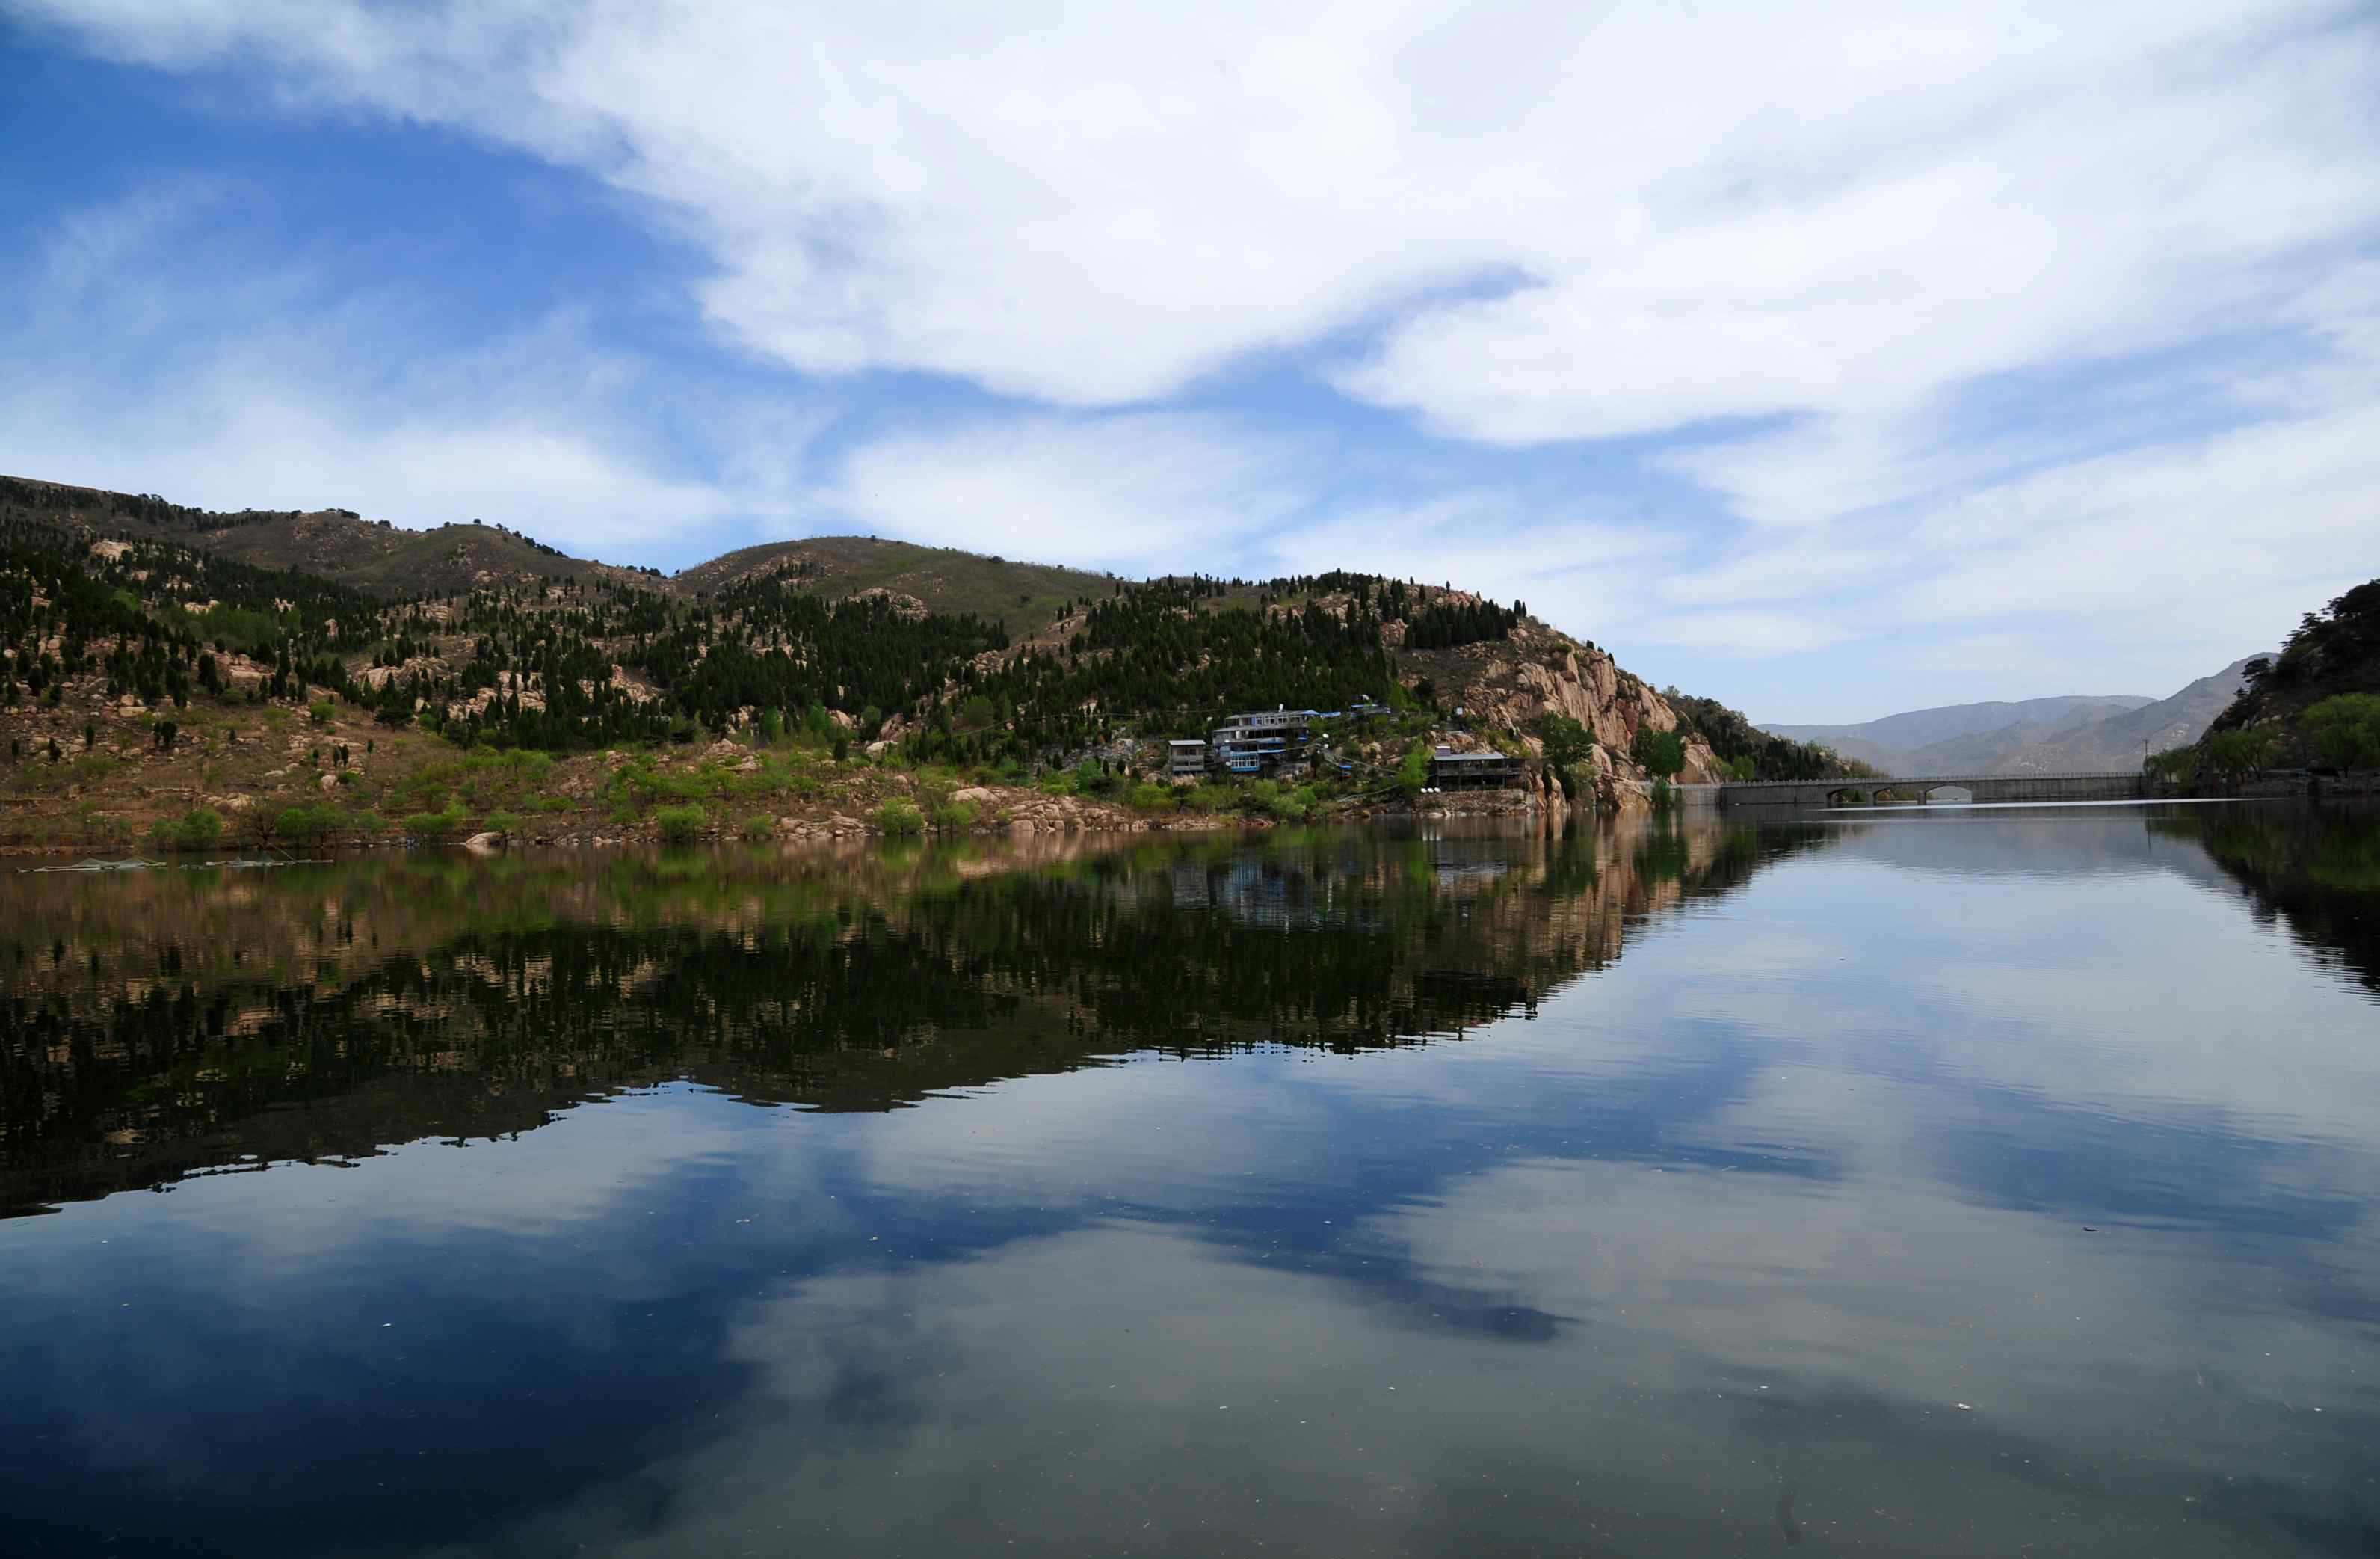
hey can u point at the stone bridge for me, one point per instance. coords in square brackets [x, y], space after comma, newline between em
[1920, 790]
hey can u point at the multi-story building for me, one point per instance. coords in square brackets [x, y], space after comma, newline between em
[1186, 759]
[1449, 770]
[1263, 742]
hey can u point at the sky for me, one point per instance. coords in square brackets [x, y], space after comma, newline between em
[1831, 360]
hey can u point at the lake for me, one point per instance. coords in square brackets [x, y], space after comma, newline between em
[1950, 1181]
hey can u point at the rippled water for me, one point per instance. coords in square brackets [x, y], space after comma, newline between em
[1986, 1182]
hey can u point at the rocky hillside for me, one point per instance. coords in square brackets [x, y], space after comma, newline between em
[144, 658]
[1508, 686]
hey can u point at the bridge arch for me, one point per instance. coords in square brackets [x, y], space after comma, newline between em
[1949, 793]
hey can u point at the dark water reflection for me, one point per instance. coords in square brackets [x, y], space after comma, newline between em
[1986, 1182]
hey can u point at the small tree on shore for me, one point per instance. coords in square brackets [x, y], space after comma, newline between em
[2236, 754]
[1567, 745]
[2345, 730]
[1661, 753]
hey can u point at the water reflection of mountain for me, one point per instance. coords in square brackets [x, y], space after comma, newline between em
[179, 1023]
[2316, 868]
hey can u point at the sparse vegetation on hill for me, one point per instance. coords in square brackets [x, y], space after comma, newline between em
[333, 544]
[159, 688]
[1023, 598]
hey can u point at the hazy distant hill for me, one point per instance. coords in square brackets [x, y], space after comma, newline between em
[2073, 731]
[1920, 727]
[2120, 741]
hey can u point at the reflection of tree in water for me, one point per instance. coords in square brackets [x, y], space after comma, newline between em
[321, 1014]
[1672, 850]
[2316, 868]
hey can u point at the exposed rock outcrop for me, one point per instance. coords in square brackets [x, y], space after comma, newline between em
[1508, 686]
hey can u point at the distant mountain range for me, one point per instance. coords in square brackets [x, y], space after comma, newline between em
[2069, 733]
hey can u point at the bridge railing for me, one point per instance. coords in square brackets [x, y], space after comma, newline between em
[1886, 782]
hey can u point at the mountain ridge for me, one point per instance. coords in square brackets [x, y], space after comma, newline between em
[1919, 728]
[2067, 733]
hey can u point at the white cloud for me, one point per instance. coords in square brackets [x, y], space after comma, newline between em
[1478, 539]
[153, 356]
[1716, 213]
[1141, 492]
[1746, 633]
[2252, 525]
[1816, 237]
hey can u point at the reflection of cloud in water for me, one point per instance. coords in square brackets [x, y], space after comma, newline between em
[1750, 1211]
[1113, 1389]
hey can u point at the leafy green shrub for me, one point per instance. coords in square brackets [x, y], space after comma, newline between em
[553, 803]
[201, 828]
[955, 817]
[504, 822]
[444, 824]
[759, 826]
[2233, 753]
[308, 824]
[898, 817]
[322, 711]
[1151, 797]
[678, 824]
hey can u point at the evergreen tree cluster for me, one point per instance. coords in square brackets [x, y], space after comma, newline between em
[2340, 642]
[2307, 704]
[66, 611]
[1155, 659]
[543, 657]
[1446, 624]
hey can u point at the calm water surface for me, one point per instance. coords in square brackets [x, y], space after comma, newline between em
[1992, 1182]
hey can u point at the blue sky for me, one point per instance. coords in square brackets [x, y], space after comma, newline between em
[1832, 360]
